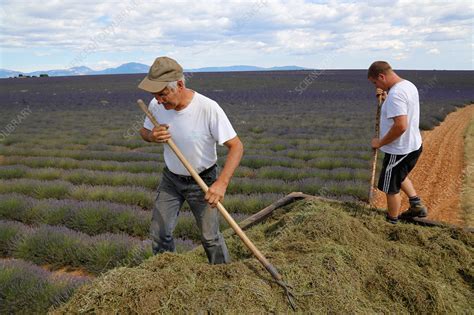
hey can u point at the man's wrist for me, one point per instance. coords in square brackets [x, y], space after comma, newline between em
[381, 143]
[223, 180]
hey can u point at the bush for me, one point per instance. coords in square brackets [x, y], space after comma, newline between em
[12, 207]
[50, 245]
[107, 251]
[10, 232]
[69, 163]
[29, 289]
[8, 172]
[48, 173]
[147, 180]
[130, 195]
[62, 247]
[249, 204]
[36, 188]
[85, 216]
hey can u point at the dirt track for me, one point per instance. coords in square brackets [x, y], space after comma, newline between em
[438, 175]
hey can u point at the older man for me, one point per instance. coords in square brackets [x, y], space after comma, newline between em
[400, 139]
[196, 123]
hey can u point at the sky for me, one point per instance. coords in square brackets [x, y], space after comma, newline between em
[333, 34]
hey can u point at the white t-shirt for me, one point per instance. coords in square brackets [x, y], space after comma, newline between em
[402, 99]
[195, 130]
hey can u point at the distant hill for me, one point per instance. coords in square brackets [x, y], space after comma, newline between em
[243, 68]
[134, 67]
[5, 73]
[131, 67]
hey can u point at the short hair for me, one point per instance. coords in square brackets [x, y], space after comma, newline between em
[378, 67]
[174, 85]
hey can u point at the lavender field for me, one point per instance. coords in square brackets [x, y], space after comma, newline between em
[77, 183]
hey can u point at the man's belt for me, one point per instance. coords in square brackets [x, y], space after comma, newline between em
[186, 178]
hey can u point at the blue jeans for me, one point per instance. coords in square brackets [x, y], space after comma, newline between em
[172, 193]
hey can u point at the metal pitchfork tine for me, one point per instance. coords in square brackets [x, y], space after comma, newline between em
[270, 268]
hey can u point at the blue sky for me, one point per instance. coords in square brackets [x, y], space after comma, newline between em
[333, 34]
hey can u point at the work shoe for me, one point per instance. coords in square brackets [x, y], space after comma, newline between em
[415, 210]
[393, 220]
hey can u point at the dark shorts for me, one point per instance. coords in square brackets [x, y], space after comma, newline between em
[395, 169]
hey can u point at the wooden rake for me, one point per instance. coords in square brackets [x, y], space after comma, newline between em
[270, 268]
[374, 157]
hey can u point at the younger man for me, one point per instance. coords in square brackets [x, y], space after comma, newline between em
[400, 139]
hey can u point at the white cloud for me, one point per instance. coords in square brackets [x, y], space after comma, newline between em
[300, 41]
[103, 64]
[434, 51]
[251, 27]
[42, 54]
[400, 56]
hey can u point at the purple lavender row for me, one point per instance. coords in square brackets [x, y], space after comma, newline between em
[96, 217]
[63, 247]
[84, 155]
[96, 146]
[43, 273]
[131, 195]
[258, 161]
[306, 155]
[151, 180]
[82, 176]
[29, 289]
[290, 174]
[69, 163]
[313, 186]
[144, 198]
[90, 217]
[278, 144]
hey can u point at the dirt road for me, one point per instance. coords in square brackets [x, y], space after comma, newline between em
[439, 173]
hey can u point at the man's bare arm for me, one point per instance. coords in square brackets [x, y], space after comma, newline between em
[400, 125]
[217, 190]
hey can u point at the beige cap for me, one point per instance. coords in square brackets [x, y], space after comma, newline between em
[163, 71]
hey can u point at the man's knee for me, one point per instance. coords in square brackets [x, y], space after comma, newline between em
[160, 232]
[392, 195]
[210, 239]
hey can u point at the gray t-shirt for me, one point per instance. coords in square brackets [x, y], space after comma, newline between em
[402, 99]
[195, 129]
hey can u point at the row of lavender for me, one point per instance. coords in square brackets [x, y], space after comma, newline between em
[59, 246]
[98, 217]
[38, 288]
[340, 182]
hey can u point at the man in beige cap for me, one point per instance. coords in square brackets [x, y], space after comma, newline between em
[196, 123]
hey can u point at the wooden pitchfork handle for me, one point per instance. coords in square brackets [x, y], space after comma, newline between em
[270, 268]
[374, 157]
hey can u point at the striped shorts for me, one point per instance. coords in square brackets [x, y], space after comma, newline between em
[395, 169]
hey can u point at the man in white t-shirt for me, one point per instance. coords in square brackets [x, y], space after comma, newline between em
[196, 123]
[400, 139]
